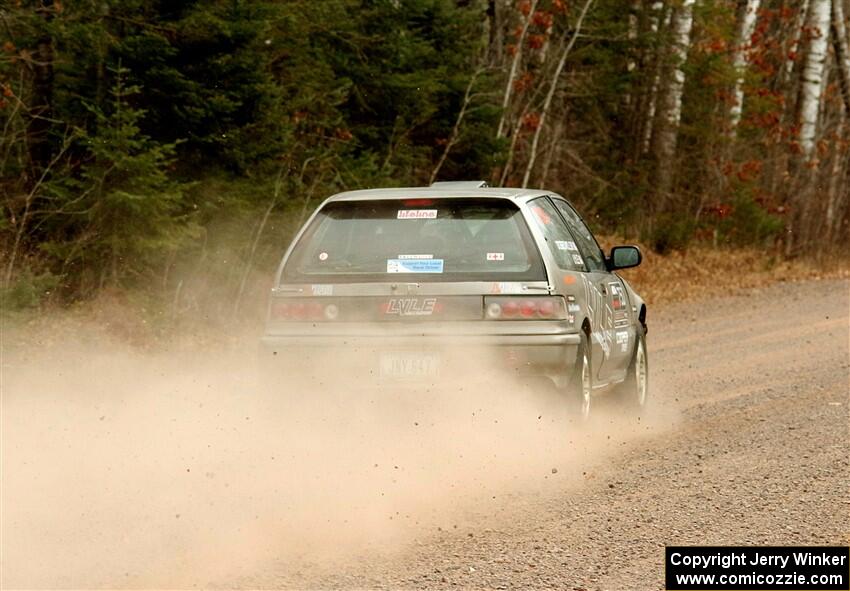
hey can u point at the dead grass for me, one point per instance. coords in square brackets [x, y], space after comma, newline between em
[705, 272]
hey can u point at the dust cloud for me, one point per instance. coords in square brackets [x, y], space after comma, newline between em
[182, 468]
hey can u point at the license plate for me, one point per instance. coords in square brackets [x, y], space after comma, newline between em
[411, 365]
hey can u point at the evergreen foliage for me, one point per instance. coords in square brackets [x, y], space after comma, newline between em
[149, 142]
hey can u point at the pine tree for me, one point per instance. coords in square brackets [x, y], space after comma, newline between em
[122, 212]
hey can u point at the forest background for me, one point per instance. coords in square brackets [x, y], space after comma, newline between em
[165, 152]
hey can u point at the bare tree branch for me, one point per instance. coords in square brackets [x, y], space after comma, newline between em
[455, 134]
[553, 86]
[514, 66]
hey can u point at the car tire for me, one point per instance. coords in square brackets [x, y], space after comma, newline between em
[581, 383]
[633, 392]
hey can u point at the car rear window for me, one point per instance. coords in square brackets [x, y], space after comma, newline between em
[427, 240]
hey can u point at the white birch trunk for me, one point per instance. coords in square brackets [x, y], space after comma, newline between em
[506, 100]
[670, 103]
[842, 54]
[746, 27]
[813, 77]
[682, 28]
[633, 30]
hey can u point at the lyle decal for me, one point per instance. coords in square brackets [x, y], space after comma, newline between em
[411, 306]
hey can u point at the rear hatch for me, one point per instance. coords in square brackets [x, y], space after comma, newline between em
[415, 266]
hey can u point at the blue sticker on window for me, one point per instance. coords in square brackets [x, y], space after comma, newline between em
[414, 265]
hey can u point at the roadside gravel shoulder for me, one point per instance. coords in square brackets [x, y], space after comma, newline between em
[758, 453]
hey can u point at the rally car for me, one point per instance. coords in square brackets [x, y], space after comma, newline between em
[394, 284]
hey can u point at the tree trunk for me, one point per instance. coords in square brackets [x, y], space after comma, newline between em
[658, 19]
[496, 45]
[41, 105]
[795, 39]
[842, 55]
[817, 26]
[665, 135]
[835, 186]
[744, 33]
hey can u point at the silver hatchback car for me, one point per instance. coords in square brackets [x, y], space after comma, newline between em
[393, 285]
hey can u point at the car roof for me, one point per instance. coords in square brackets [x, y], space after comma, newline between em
[438, 192]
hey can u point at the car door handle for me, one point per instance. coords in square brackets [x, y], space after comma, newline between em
[603, 289]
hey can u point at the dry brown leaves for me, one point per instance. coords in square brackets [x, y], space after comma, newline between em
[705, 272]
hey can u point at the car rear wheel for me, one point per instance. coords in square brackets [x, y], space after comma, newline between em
[633, 392]
[581, 384]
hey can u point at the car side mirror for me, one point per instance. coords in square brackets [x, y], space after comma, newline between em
[624, 257]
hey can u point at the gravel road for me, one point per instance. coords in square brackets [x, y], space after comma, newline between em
[123, 469]
[757, 452]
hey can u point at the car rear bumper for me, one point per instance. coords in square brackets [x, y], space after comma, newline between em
[346, 358]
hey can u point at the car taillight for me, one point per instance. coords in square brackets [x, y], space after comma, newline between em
[303, 310]
[525, 308]
[509, 308]
[528, 309]
[546, 309]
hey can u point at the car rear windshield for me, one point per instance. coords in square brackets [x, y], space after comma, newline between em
[426, 240]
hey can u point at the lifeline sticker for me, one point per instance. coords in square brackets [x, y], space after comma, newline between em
[414, 265]
[495, 256]
[322, 290]
[577, 259]
[415, 256]
[417, 214]
[566, 245]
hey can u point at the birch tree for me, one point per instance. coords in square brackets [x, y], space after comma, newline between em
[813, 79]
[665, 134]
[744, 32]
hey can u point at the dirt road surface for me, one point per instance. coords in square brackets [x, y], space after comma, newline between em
[748, 444]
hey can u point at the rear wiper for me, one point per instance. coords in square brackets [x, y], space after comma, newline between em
[347, 267]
